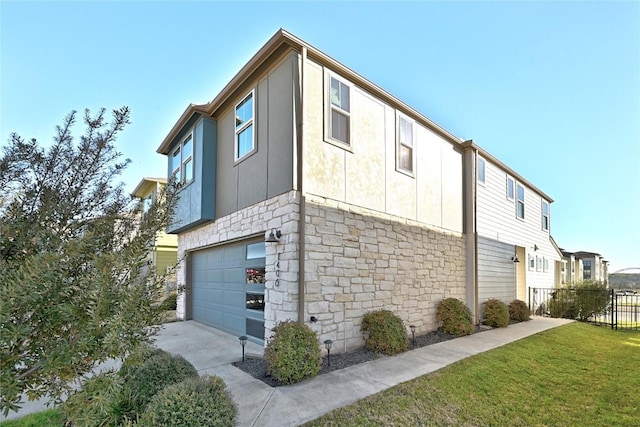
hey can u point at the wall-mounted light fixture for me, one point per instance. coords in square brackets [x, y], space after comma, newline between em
[535, 247]
[274, 236]
[515, 259]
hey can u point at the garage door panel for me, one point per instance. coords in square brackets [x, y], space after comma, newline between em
[219, 294]
[496, 271]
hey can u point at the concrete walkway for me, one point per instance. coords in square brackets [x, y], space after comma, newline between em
[212, 351]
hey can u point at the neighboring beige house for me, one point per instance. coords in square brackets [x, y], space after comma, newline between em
[509, 223]
[163, 256]
[583, 265]
[311, 194]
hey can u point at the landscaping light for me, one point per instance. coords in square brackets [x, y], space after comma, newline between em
[366, 335]
[413, 334]
[327, 345]
[243, 342]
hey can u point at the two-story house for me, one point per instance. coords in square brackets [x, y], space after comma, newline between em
[311, 194]
[163, 255]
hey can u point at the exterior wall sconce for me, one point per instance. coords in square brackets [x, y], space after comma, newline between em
[327, 345]
[274, 236]
[535, 247]
[515, 259]
[243, 342]
[413, 334]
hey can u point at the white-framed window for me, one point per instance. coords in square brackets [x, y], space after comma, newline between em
[545, 215]
[545, 264]
[531, 262]
[182, 161]
[404, 145]
[146, 203]
[520, 201]
[511, 188]
[482, 165]
[245, 129]
[538, 263]
[339, 110]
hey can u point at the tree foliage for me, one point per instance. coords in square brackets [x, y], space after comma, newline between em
[75, 287]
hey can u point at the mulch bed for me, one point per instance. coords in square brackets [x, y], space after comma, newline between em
[257, 367]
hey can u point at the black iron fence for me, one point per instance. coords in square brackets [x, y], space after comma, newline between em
[617, 309]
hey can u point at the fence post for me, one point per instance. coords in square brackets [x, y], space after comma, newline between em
[529, 299]
[614, 309]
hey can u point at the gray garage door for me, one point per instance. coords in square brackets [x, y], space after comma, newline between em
[228, 288]
[496, 271]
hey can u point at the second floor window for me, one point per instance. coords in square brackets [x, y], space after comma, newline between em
[481, 170]
[545, 215]
[244, 139]
[340, 111]
[182, 161]
[511, 188]
[520, 202]
[405, 145]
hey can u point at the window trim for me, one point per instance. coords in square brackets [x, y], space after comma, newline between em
[513, 181]
[329, 107]
[518, 202]
[482, 160]
[531, 262]
[249, 123]
[544, 204]
[545, 264]
[400, 144]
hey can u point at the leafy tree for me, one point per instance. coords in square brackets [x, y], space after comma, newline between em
[75, 287]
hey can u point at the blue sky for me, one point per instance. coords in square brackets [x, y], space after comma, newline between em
[550, 88]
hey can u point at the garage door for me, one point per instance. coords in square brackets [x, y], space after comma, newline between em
[496, 271]
[228, 288]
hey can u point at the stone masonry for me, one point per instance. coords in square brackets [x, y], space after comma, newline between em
[358, 260]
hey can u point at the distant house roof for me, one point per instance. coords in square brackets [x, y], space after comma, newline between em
[585, 254]
[145, 184]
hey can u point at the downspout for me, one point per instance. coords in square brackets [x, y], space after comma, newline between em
[300, 172]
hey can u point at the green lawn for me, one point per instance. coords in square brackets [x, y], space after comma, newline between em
[48, 418]
[574, 375]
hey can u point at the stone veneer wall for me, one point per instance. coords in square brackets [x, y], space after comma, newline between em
[358, 260]
[282, 213]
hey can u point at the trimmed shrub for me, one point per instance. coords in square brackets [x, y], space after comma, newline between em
[194, 402]
[142, 382]
[455, 317]
[387, 333]
[496, 313]
[292, 353]
[97, 403]
[519, 311]
[169, 303]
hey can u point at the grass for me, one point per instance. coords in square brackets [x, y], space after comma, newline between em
[48, 418]
[577, 374]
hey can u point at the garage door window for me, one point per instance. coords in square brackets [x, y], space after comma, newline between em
[255, 301]
[255, 276]
[256, 250]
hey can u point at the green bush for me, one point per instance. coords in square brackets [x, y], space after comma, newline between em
[387, 333]
[194, 402]
[496, 313]
[292, 353]
[169, 303]
[519, 311]
[143, 381]
[455, 317]
[97, 403]
[585, 300]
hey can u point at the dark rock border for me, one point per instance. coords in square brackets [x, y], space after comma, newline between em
[257, 367]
